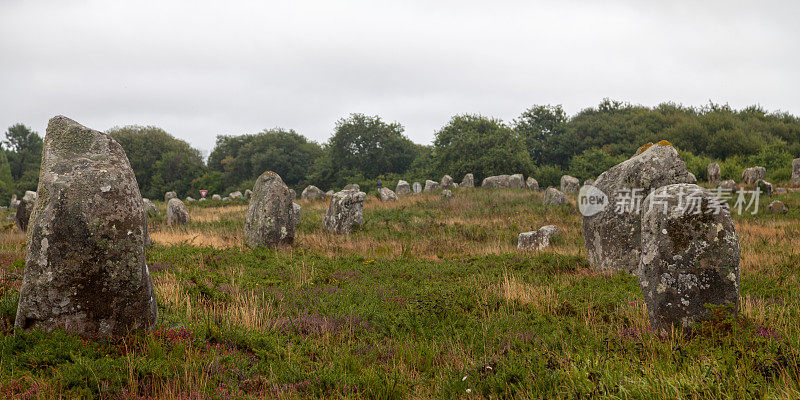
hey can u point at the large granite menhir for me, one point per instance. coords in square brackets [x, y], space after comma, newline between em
[272, 216]
[85, 271]
[613, 236]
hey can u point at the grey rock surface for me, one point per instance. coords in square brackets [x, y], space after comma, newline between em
[345, 212]
[468, 181]
[387, 195]
[714, 173]
[177, 213]
[570, 184]
[24, 209]
[403, 188]
[612, 236]
[554, 197]
[690, 256]
[312, 192]
[86, 269]
[271, 215]
[538, 239]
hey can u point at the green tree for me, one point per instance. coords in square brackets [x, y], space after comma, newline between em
[6, 182]
[368, 146]
[24, 156]
[160, 161]
[544, 128]
[480, 145]
[243, 158]
[591, 163]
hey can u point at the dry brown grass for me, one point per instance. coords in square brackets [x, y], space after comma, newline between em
[541, 298]
[196, 237]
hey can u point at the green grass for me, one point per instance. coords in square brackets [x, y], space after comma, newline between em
[422, 323]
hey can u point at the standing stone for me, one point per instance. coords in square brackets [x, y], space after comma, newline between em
[402, 188]
[536, 240]
[271, 216]
[796, 172]
[189, 199]
[714, 173]
[312, 192]
[612, 238]
[417, 187]
[226, 198]
[170, 195]
[455, 185]
[293, 193]
[588, 182]
[85, 270]
[765, 187]
[752, 175]
[329, 193]
[554, 197]
[690, 256]
[431, 186]
[468, 181]
[728, 185]
[13, 203]
[387, 195]
[150, 208]
[296, 209]
[447, 182]
[496, 182]
[692, 178]
[176, 213]
[216, 197]
[24, 208]
[447, 194]
[352, 186]
[532, 184]
[237, 195]
[345, 212]
[516, 181]
[570, 184]
[248, 194]
[777, 207]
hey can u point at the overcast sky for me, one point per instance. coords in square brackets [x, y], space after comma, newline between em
[202, 68]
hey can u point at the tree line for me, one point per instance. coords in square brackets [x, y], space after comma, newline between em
[543, 142]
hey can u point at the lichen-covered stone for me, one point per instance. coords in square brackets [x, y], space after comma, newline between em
[536, 240]
[189, 199]
[388, 195]
[447, 194]
[430, 186]
[24, 208]
[13, 203]
[417, 187]
[729, 185]
[516, 181]
[345, 212]
[170, 195]
[690, 256]
[612, 236]
[765, 187]
[777, 207]
[293, 193]
[248, 194]
[312, 192]
[237, 195]
[570, 184]
[86, 270]
[329, 193]
[714, 173]
[271, 216]
[403, 188]
[554, 197]
[796, 172]
[177, 213]
[468, 181]
[496, 182]
[588, 182]
[352, 186]
[751, 175]
[150, 208]
[447, 182]
[532, 184]
[216, 197]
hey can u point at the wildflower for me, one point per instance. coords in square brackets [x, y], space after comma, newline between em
[464, 378]
[469, 390]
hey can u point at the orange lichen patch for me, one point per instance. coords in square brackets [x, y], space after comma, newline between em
[664, 143]
[648, 145]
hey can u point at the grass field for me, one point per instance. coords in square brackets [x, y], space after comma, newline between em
[430, 299]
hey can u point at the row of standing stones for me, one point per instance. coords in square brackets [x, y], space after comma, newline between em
[86, 272]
